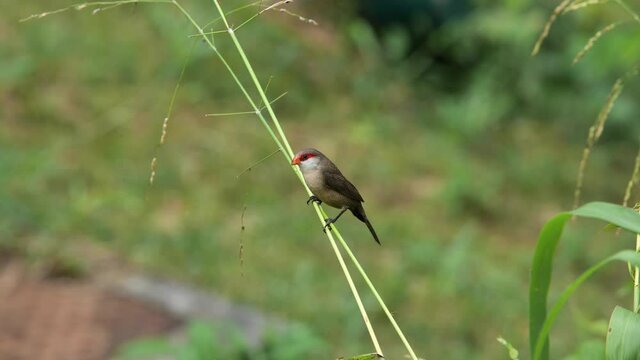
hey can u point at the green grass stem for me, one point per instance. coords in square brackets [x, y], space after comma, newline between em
[376, 294]
[233, 75]
[636, 281]
[629, 10]
[321, 214]
[289, 152]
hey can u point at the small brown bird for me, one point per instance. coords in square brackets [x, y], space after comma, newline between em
[328, 185]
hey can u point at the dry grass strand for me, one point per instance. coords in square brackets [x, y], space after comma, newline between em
[595, 131]
[547, 27]
[154, 166]
[104, 5]
[593, 40]
[632, 181]
[583, 4]
[300, 17]
[241, 247]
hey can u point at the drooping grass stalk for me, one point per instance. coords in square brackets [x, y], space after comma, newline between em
[165, 122]
[594, 39]
[233, 75]
[595, 131]
[289, 152]
[81, 6]
[321, 214]
[547, 27]
[256, 82]
[635, 174]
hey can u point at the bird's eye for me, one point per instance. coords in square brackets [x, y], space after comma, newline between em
[304, 157]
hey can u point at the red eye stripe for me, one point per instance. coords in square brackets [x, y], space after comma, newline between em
[307, 156]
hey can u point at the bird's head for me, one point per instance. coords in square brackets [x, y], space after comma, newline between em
[307, 158]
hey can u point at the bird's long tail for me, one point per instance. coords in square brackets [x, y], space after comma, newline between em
[360, 214]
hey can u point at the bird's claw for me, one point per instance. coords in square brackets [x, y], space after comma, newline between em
[314, 199]
[327, 225]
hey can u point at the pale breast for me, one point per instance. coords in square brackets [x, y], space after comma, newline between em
[315, 181]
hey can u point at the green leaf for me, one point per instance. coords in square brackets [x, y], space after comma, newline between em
[625, 256]
[621, 216]
[541, 270]
[624, 334]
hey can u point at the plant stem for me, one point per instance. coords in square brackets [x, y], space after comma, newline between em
[629, 10]
[289, 154]
[233, 75]
[354, 290]
[319, 210]
[378, 297]
[256, 82]
[285, 148]
[636, 281]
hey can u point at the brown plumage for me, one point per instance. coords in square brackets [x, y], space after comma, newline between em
[329, 186]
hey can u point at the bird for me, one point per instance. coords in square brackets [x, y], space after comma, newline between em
[329, 186]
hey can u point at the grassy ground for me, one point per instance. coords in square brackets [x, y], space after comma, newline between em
[457, 179]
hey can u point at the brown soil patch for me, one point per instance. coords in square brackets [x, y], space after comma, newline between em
[60, 319]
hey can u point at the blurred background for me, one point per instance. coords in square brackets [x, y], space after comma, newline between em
[462, 144]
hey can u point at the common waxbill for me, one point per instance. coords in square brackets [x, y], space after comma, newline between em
[328, 185]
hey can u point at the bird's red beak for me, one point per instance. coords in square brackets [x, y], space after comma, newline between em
[295, 161]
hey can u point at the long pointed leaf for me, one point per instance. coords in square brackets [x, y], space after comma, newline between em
[541, 271]
[625, 256]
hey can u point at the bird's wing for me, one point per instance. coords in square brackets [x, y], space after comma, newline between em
[334, 180]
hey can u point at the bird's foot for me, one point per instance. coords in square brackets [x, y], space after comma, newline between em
[314, 199]
[327, 224]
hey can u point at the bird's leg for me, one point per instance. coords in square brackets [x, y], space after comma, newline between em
[314, 199]
[329, 221]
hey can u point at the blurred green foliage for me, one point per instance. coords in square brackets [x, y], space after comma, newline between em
[459, 167]
[205, 342]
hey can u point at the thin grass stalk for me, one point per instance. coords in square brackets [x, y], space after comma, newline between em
[547, 27]
[165, 122]
[319, 210]
[347, 275]
[80, 6]
[233, 75]
[636, 281]
[376, 294]
[575, 6]
[591, 42]
[636, 277]
[629, 10]
[254, 77]
[595, 131]
[632, 181]
[289, 152]
[635, 272]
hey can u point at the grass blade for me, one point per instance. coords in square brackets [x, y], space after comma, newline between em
[539, 322]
